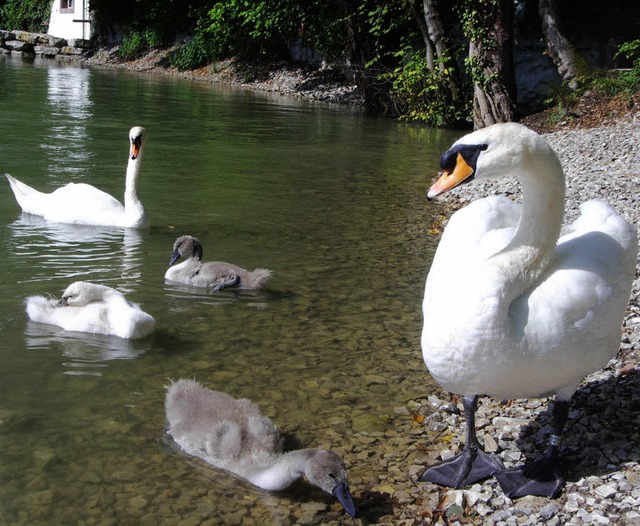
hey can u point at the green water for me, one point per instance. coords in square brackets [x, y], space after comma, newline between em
[330, 199]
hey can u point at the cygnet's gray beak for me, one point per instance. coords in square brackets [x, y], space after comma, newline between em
[174, 257]
[341, 492]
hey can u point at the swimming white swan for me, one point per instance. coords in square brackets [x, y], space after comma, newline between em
[214, 274]
[510, 309]
[85, 204]
[233, 435]
[87, 307]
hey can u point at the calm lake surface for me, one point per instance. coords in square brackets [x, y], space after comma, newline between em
[332, 200]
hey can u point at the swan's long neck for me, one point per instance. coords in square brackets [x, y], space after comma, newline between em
[283, 470]
[132, 204]
[524, 259]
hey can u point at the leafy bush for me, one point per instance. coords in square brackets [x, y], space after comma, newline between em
[620, 82]
[133, 45]
[193, 54]
[253, 29]
[419, 94]
[25, 15]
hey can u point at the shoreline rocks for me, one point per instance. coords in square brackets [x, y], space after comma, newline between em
[25, 44]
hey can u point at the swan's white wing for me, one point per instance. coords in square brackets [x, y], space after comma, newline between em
[472, 235]
[81, 203]
[572, 317]
[480, 229]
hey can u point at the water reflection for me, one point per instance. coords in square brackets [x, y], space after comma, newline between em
[183, 298]
[86, 352]
[77, 252]
[70, 109]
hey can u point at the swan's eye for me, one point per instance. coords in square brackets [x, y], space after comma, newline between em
[332, 476]
[468, 152]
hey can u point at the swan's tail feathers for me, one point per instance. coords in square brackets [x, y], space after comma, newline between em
[23, 193]
[39, 308]
[259, 277]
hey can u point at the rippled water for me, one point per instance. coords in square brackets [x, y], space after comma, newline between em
[330, 199]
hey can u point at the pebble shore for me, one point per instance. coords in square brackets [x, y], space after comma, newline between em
[600, 454]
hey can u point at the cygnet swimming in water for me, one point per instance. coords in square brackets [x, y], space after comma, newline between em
[233, 435]
[97, 309]
[216, 275]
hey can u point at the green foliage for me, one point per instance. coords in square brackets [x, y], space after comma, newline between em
[25, 15]
[618, 82]
[631, 78]
[133, 45]
[250, 29]
[420, 94]
[194, 54]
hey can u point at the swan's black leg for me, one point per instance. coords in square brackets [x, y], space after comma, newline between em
[233, 280]
[469, 466]
[541, 477]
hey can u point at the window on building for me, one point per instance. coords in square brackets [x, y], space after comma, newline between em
[66, 6]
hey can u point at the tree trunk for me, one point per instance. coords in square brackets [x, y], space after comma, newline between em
[491, 57]
[424, 31]
[565, 56]
[436, 36]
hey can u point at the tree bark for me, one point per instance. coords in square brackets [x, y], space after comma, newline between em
[565, 56]
[436, 38]
[491, 53]
[424, 31]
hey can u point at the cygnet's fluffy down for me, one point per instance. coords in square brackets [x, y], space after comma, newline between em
[216, 275]
[233, 435]
[88, 307]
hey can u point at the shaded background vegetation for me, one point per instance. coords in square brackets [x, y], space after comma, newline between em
[383, 45]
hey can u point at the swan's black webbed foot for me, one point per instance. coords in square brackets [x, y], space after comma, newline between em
[232, 280]
[470, 466]
[541, 477]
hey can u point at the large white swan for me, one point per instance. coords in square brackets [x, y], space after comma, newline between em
[233, 435]
[510, 309]
[97, 309]
[85, 204]
[216, 275]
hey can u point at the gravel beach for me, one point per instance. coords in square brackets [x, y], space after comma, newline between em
[600, 454]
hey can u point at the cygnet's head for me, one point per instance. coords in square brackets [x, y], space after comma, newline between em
[186, 246]
[81, 293]
[326, 470]
[137, 138]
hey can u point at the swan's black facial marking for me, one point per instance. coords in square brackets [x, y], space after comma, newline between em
[468, 152]
[136, 144]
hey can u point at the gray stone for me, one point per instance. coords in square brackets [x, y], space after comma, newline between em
[46, 51]
[19, 45]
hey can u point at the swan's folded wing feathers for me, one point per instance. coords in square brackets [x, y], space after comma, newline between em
[481, 228]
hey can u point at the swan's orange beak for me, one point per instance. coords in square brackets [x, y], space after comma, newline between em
[135, 149]
[448, 180]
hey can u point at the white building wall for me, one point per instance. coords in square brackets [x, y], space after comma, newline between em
[62, 24]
